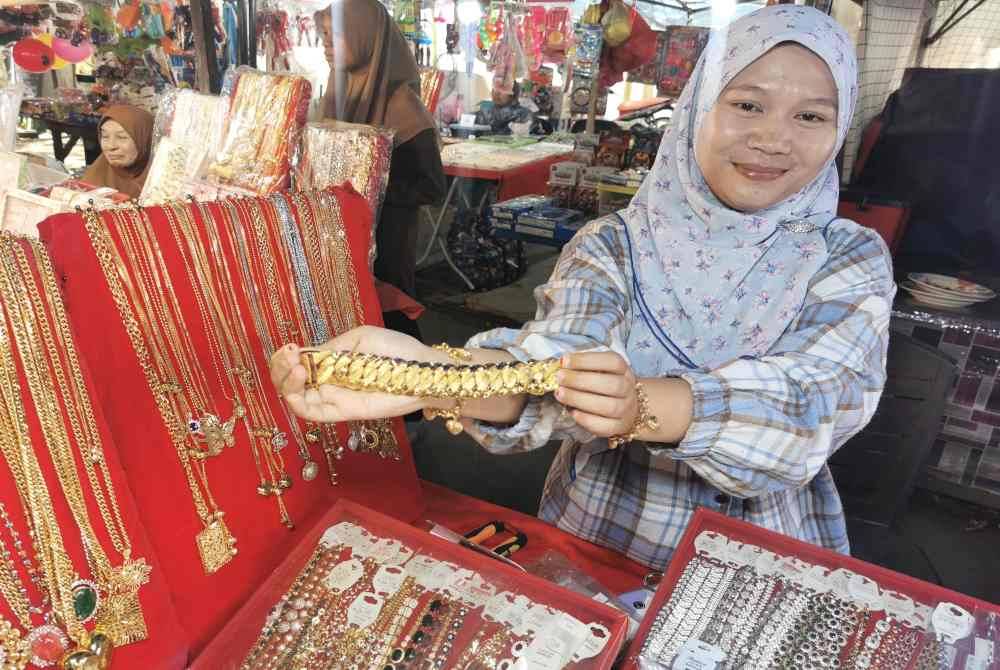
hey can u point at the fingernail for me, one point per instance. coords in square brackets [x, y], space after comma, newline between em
[560, 377]
[565, 361]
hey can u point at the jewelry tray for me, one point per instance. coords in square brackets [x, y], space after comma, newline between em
[229, 649]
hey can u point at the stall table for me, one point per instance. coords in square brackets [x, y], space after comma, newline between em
[85, 130]
[516, 170]
[965, 458]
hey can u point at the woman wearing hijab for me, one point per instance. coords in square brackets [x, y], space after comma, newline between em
[374, 81]
[754, 321]
[126, 135]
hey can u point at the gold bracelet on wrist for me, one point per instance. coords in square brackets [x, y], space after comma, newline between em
[644, 420]
[367, 372]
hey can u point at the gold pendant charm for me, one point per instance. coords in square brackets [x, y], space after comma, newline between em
[120, 616]
[214, 433]
[454, 426]
[216, 545]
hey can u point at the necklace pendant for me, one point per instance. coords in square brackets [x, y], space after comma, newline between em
[309, 471]
[14, 652]
[216, 545]
[121, 616]
[47, 644]
[86, 599]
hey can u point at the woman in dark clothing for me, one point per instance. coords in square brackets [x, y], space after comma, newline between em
[503, 110]
[374, 80]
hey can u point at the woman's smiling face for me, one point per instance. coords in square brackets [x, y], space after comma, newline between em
[772, 130]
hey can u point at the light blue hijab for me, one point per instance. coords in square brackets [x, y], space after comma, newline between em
[713, 284]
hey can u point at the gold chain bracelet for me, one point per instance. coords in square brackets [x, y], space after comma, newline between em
[367, 372]
[643, 420]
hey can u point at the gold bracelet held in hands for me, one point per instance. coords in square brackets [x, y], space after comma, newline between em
[367, 372]
[643, 421]
[452, 417]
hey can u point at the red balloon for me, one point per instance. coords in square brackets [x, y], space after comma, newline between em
[34, 56]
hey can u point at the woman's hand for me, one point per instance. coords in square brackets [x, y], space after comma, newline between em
[330, 403]
[599, 389]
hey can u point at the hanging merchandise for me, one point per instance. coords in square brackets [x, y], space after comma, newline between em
[684, 45]
[639, 48]
[533, 37]
[70, 52]
[273, 39]
[617, 24]
[557, 34]
[33, 55]
[407, 17]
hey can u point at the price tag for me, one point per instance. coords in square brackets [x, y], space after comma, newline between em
[441, 575]
[516, 613]
[794, 569]
[984, 648]
[712, 544]
[815, 578]
[952, 622]
[344, 575]
[744, 553]
[899, 605]
[496, 608]
[838, 580]
[767, 563]
[402, 555]
[698, 655]
[596, 639]
[420, 568]
[865, 592]
[388, 579]
[538, 618]
[364, 610]
[364, 546]
[549, 650]
[385, 549]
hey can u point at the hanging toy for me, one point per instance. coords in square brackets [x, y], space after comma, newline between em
[128, 16]
[152, 22]
[556, 41]
[57, 62]
[33, 55]
[72, 53]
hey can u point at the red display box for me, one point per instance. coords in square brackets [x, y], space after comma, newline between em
[741, 531]
[205, 602]
[229, 649]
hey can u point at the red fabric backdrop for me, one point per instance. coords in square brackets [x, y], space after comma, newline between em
[166, 645]
[205, 602]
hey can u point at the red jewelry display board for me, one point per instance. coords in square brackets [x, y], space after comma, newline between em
[816, 566]
[230, 649]
[150, 461]
[166, 645]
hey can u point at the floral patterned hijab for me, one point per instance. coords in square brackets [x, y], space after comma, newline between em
[711, 283]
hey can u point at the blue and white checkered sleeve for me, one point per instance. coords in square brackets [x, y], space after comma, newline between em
[770, 423]
[581, 308]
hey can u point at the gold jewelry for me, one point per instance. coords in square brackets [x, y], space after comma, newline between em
[455, 353]
[644, 420]
[452, 417]
[367, 372]
[152, 331]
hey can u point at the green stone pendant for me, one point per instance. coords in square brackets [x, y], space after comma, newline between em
[85, 600]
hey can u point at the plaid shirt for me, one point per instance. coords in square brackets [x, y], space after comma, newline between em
[762, 428]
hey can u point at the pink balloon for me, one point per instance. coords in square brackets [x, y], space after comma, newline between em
[72, 54]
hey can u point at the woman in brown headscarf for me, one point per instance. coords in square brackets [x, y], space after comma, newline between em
[374, 80]
[126, 133]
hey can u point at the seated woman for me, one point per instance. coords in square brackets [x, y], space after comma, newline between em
[719, 339]
[503, 110]
[126, 135]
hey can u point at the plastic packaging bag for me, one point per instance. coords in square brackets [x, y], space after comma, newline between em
[267, 113]
[333, 153]
[187, 130]
[10, 108]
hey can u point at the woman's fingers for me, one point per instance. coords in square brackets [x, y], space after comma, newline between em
[602, 383]
[592, 403]
[599, 361]
[282, 362]
[600, 426]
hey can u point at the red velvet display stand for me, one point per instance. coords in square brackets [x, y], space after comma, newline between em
[741, 531]
[205, 602]
[228, 650]
[166, 645]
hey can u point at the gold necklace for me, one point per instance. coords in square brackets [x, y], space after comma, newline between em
[286, 318]
[215, 542]
[212, 284]
[121, 614]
